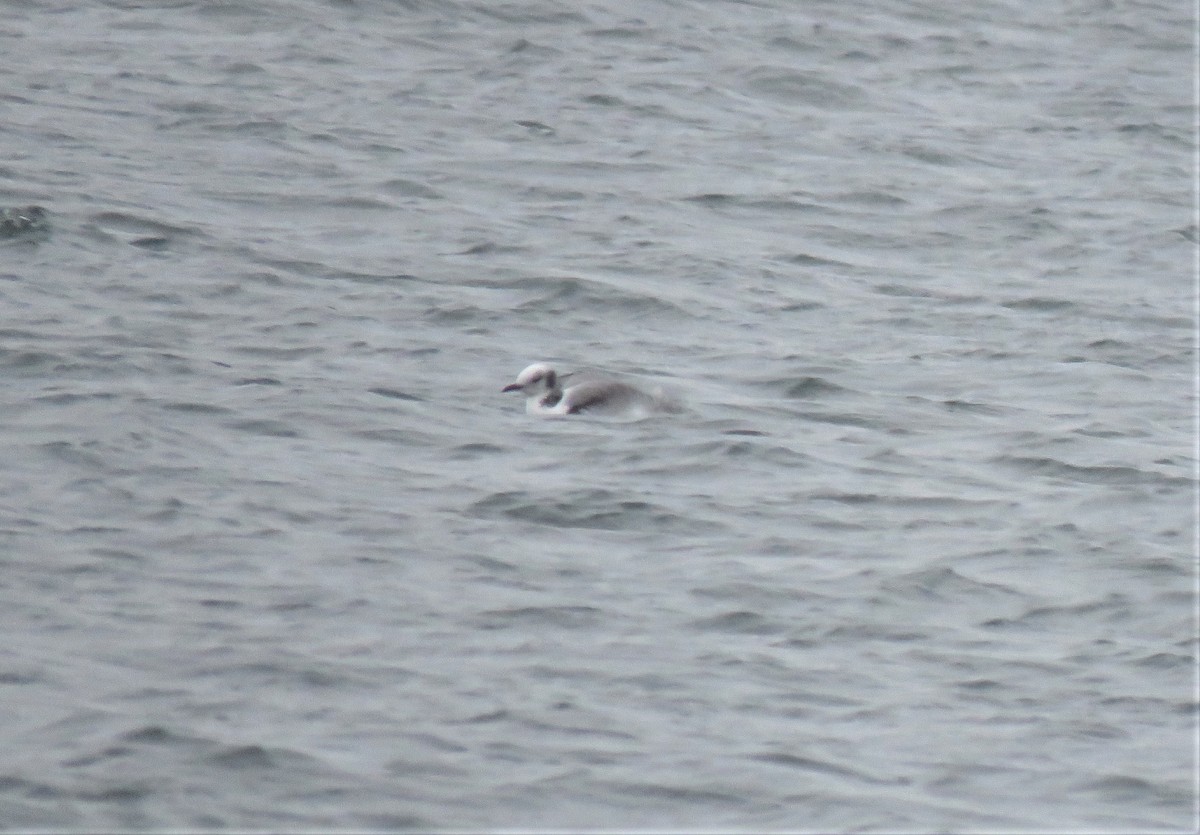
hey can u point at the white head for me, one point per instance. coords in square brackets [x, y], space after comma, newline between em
[535, 381]
[542, 388]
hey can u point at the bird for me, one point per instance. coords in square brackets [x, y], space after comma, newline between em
[22, 220]
[545, 394]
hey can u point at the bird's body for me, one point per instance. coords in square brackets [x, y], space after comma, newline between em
[20, 221]
[546, 394]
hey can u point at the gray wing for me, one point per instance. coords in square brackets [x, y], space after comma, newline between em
[600, 396]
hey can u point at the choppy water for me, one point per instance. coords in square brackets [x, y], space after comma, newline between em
[277, 553]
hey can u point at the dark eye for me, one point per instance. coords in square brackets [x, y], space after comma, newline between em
[536, 378]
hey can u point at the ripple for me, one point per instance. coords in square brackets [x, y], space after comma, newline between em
[559, 617]
[1040, 304]
[587, 508]
[1112, 474]
[741, 623]
[266, 427]
[825, 767]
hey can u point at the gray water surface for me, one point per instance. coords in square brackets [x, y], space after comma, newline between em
[278, 554]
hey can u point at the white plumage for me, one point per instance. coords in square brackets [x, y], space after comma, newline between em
[546, 394]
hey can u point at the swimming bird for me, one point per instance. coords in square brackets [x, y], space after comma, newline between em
[545, 394]
[22, 220]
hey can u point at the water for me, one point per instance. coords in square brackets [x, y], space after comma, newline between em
[920, 554]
